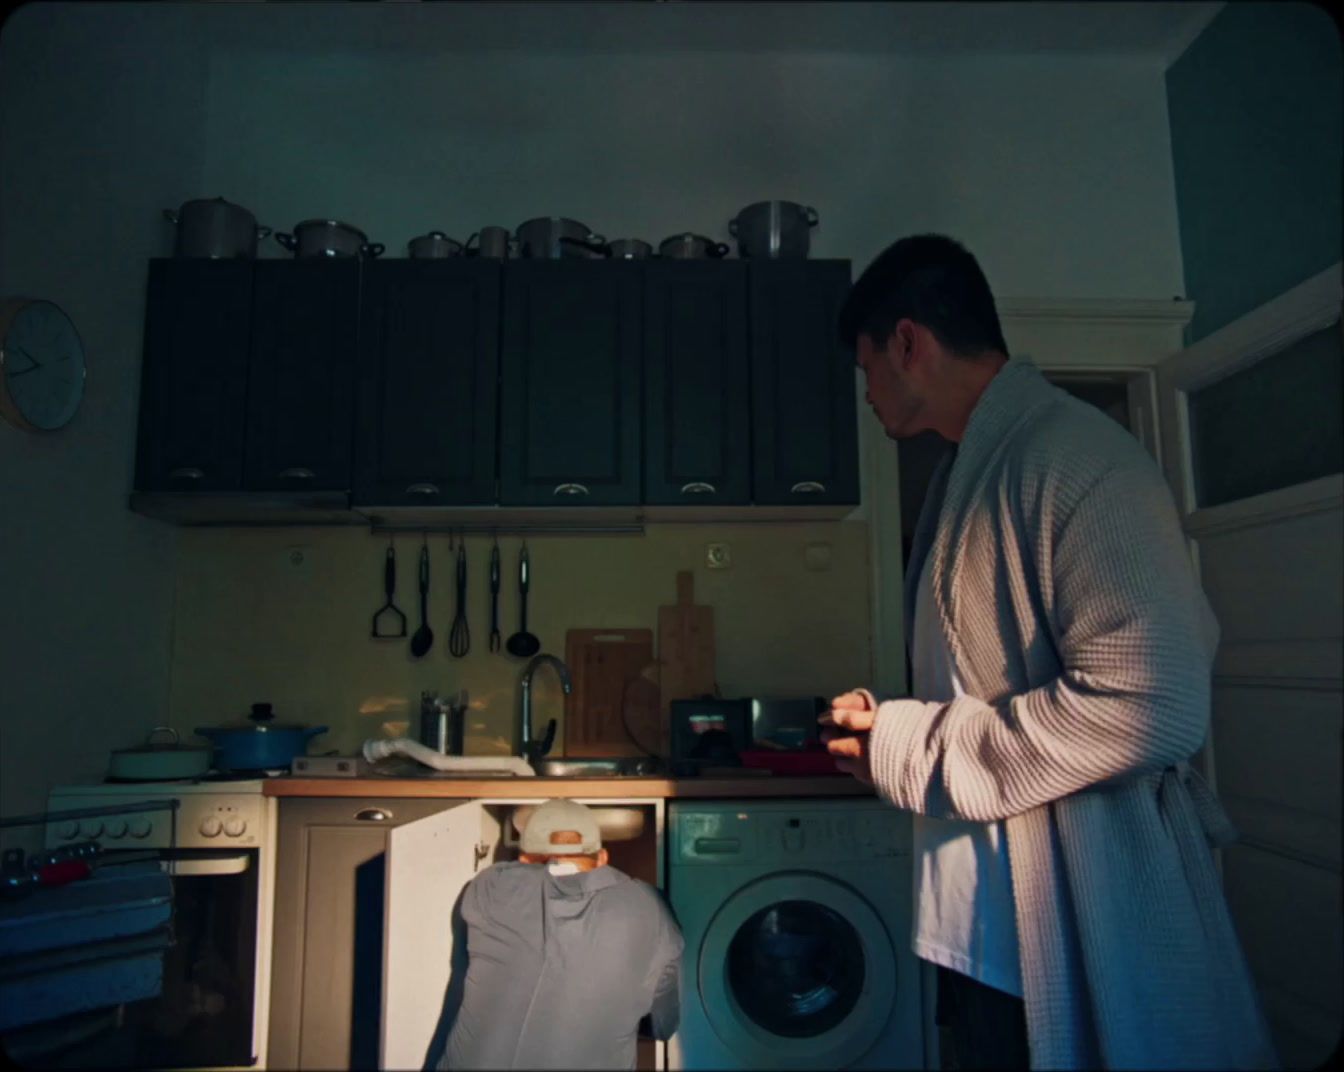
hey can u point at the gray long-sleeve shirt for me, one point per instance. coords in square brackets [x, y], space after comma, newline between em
[561, 968]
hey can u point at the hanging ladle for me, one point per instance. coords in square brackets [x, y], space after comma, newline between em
[522, 644]
[423, 639]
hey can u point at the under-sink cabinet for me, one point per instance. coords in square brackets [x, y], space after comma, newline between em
[364, 950]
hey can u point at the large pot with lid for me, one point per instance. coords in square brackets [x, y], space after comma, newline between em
[259, 744]
[691, 247]
[215, 228]
[773, 230]
[553, 237]
[328, 238]
[159, 760]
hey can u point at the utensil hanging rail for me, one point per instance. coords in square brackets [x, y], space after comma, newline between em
[547, 528]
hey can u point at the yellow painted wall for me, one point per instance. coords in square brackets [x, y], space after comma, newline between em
[250, 625]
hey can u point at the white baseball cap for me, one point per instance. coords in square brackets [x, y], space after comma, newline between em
[553, 817]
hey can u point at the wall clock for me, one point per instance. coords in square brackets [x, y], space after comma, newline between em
[41, 365]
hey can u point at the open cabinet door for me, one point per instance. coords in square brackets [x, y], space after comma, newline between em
[1252, 439]
[428, 863]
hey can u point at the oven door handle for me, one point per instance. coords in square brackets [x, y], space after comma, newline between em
[208, 865]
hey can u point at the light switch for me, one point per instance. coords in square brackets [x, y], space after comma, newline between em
[717, 556]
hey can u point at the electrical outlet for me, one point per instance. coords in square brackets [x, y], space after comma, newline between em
[717, 556]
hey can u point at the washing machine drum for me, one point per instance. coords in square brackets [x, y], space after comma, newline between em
[797, 970]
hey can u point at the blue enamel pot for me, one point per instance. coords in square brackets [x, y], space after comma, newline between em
[262, 744]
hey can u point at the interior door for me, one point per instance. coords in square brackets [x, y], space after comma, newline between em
[428, 863]
[1251, 424]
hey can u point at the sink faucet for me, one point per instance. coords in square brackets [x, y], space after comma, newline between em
[529, 749]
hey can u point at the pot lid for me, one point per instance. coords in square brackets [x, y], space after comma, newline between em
[153, 747]
[259, 721]
[330, 223]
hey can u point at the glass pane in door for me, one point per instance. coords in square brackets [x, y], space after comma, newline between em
[1270, 425]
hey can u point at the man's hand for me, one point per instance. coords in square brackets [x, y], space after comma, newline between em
[845, 730]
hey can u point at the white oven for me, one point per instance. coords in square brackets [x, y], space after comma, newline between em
[219, 846]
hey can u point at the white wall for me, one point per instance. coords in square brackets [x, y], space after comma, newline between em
[100, 129]
[1056, 173]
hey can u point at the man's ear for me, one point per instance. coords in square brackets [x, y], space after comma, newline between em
[602, 857]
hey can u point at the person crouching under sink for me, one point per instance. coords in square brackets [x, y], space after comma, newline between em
[565, 955]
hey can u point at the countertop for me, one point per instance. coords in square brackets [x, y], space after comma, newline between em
[544, 788]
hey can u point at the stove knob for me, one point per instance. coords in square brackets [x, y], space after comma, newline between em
[116, 828]
[211, 826]
[235, 827]
[139, 828]
[91, 828]
[68, 830]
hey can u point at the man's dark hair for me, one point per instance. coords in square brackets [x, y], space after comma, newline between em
[933, 280]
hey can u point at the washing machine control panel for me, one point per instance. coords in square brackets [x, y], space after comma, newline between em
[759, 835]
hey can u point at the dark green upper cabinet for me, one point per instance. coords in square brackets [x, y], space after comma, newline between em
[300, 394]
[570, 364]
[697, 406]
[193, 384]
[428, 362]
[804, 420]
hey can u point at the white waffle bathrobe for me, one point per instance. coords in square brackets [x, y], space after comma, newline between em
[1085, 646]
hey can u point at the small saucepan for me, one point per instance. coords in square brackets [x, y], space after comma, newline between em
[690, 246]
[328, 238]
[434, 245]
[553, 237]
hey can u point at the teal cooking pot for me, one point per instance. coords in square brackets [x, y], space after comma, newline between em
[262, 744]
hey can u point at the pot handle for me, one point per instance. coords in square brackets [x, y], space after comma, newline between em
[593, 243]
[313, 731]
[262, 232]
[286, 240]
[812, 217]
[372, 249]
[170, 215]
[474, 236]
[718, 249]
[149, 738]
[732, 227]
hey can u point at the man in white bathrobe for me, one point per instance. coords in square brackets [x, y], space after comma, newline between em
[1061, 652]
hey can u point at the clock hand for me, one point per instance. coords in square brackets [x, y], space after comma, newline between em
[30, 357]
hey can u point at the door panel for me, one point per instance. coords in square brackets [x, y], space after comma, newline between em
[697, 406]
[300, 403]
[194, 382]
[429, 337]
[570, 383]
[428, 863]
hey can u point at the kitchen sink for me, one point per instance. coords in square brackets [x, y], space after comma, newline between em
[596, 766]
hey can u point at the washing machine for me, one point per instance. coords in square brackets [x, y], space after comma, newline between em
[796, 917]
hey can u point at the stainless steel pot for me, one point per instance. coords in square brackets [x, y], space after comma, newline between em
[435, 244]
[492, 243]
[552, 237]
[691, 247]
[629, 249]
[213, 227]
[328, 238]
[773, 230]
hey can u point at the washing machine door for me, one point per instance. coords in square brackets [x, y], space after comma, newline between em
[797, 970]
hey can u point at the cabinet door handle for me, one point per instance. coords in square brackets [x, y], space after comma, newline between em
[698, 487]
[296, 472]
[808, 487]
[570, 489]
[188, 472]
[373, 815]
[422, 489]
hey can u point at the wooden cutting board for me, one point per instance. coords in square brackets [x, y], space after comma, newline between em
[602, 665]
[685, 646]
